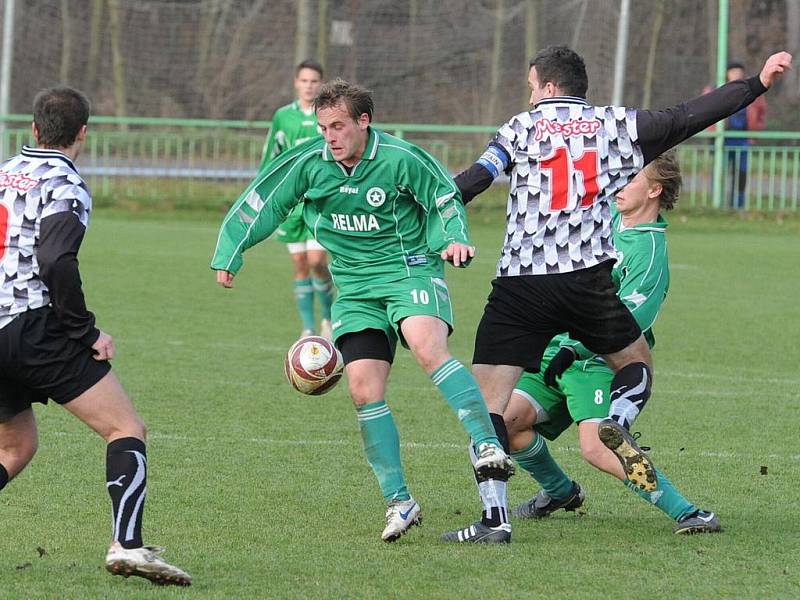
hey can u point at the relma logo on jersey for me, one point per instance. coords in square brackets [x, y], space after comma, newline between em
[572, 128]
[355, 222]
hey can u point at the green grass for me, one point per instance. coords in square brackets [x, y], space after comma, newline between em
[263, 493]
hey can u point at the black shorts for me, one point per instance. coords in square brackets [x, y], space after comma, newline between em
[367, 343]
[38, 361]
[524, 313]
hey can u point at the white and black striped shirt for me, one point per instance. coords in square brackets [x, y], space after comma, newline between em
[567, 160]
[44, 211]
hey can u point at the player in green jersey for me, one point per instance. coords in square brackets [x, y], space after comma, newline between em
[293, 125]
[390, 216]
[574, 385]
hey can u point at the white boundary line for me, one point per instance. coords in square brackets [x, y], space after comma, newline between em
[729, 455]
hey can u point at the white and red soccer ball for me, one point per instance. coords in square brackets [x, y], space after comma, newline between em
[313, 365]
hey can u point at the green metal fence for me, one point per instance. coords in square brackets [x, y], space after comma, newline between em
[196, 162]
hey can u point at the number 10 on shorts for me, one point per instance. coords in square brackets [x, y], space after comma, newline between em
[420, 296]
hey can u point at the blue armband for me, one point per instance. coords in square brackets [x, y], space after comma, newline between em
[494, 160]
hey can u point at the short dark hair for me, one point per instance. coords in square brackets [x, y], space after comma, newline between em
[357, 99]
[735, 64]
[309, 64]
[59, 114]
[666, 170]
[564, 68]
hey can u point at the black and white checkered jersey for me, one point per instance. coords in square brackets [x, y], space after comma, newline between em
[35, 184]
[567, 160]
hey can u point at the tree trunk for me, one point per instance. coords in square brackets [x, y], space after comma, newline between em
[95, 39]
[352, 61]
[713, 34]
[647, 87]
[120, 97]
[322, 32]
[793, 46]
[303, 31]
[531, 41]
[497, 51]
[413, 17]
[66, 43]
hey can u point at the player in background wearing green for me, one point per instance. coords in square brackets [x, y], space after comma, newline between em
[390, 216]
[574, 384]
[293, 125]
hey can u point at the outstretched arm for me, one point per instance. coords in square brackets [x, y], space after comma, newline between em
[662, 129]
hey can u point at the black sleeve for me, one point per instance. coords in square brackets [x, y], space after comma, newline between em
[60, 237]
[473, 181]
[660, 130]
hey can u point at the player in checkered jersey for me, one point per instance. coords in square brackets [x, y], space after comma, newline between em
[566, 160]
[50, 346]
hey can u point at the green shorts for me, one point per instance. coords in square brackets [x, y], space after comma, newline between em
[582, 393]
[382, 306]
[294, 229]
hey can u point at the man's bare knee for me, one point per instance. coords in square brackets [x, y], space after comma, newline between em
[106, 408]
[638, 351]
[19, 441]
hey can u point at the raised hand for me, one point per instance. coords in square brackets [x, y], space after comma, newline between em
[776, 65]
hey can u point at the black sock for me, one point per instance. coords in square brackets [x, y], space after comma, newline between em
[501, 431]
[3, 477]
[126, 475]
[630, 390]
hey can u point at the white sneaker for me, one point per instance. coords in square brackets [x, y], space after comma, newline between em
[400, 516]
[306, 333]
[493, 463]
[144, 562]
[325, 329]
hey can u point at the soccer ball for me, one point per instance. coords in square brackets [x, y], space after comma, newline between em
[313, 365]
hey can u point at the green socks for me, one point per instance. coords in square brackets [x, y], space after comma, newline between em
[304, 297]
[382, 447]
[537, 461]
[462, 393]
[666, 498]
[324, 291]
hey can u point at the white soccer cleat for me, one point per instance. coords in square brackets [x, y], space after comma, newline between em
[144, 562]
[325, 329]
[306, 333]
[493, 462]
[400, 516]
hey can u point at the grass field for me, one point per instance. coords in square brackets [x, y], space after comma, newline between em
[262, 493]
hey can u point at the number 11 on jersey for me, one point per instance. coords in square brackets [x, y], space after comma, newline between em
[561, 168]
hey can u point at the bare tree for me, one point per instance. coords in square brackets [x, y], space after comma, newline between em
[647, 84]
[303, 32]
[95, 41]
[120, 98]
[497, 51]
[322, 32]
[66, 43]
[531, 38]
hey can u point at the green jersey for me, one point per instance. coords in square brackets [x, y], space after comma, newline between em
[385, 219]
[641, 275]
[291, 126]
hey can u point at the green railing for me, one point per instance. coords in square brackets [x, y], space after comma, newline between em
[198, 162]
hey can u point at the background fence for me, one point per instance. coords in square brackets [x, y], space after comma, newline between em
[205, 163]
[185, 87]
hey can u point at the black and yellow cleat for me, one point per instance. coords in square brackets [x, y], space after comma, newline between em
[637, 465]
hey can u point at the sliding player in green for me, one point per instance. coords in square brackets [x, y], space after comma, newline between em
[545, 404]
[390, 216]
[292, 125]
